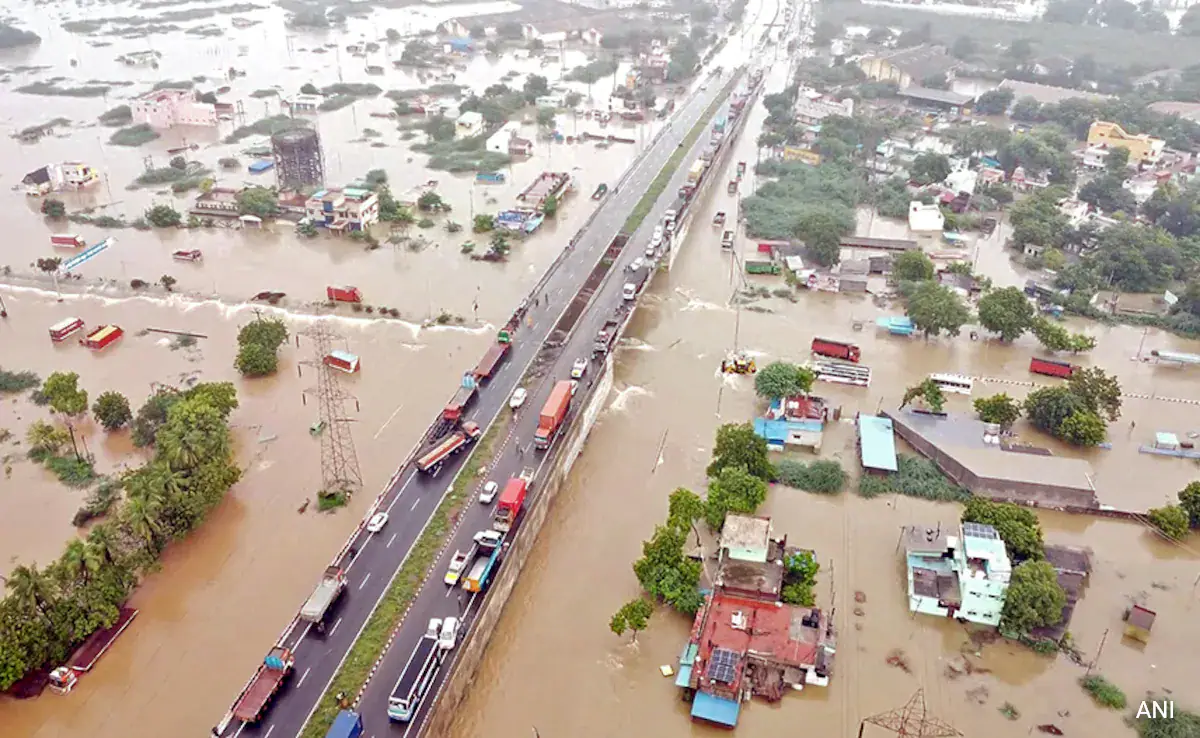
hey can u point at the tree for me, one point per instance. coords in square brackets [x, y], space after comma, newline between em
[260, 202]
[550, 206]
[545, 118]
[1000, 409]
[49, 264]
[44, 438]
[267, 332]
[536, 86]
[1083, 428]
[684, 508]
[632, 616]
[822, 236]
[1027, 110]
[256, 360]
[994, 102]
[430, 201]
[1051, 335]
[799, 576]
[1006, 311]
[1117, 161]
[498, 245]
[928, 390]
[1048, 407]
[937, 309]
[1017, 526]
[733, 490]
[780, 379]
[1107, 193]
[483, 223]
[1189, 500]
[61, 390]
[1171, 521]
[112, 410]
[665, 573]
[308, 88]
[1099, 392]
[163, 216]
[53, 208]
[178, 162]
[913, 266]
[1034, 598]
[738, 445]
[964, 48]
[31, 588]
[1189, 24]
[167, 281]
[1021, 50]
[929, 168]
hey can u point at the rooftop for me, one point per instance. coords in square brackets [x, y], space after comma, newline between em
[764, 578]
[1047, 94]
[878, 443]
[922, 61]
[767, 630]
[918, 540]
[746, 533]
[929, 94]
[1069, 559]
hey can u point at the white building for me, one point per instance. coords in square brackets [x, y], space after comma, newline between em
[922, 217]
[163, 109]
[468, 124]
[501, 140]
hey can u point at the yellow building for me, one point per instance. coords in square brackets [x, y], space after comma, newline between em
[909, 67]
[1143, 149]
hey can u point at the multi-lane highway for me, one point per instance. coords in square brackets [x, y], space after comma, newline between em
[371, 560]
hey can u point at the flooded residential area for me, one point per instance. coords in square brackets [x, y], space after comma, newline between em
[884, 236]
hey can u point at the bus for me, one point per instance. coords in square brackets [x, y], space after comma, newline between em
[957, 383]
[417, 676]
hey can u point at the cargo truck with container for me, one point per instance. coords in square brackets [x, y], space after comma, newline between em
[485, 556]
[696, 172]
[493, 357]
[431, 461]
[836, 349]
[68, 240]
[316, 607]
[461, 399]
[267, 681]
[605, 337]
[512, 499]
[552, 415]
[417, 676]
[347, 724]
[343, 294]
[1051, 368]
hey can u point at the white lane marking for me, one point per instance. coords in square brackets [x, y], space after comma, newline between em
[414, 505]
[269, 729]
[303, 676]
[239, 730]
[387, 422]
[335, 625]
[303, 634]
[390, 540]
[411, 477]
[450, 590]
[366, 579]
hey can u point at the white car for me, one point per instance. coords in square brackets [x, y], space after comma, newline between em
[657, 237]
[377, 521]
[651, 252]
[518, 398]
[434, 629]
[454, 571]
[574, 386]
[489, 493]
[448, 638]
[489, 538]
[704, 88]
[636, 264]
[579, 368]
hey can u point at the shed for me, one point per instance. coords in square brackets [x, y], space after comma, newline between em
[1138, 623]
[877, 443]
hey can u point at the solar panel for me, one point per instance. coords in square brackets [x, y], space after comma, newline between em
[978, 530]
[722, 665]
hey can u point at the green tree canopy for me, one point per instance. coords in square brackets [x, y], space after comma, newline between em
[733, 490]
[1189, 500]
[261, 202]
[62, 393]
[163, 216]
[256, 360]
[633, 616]
[112, 410]
[1171, 520]
[912, 266]
[1018, 527]
[738, 445]
[666, 574]
[928, 391]
[1099, 391]
[1006, 311]
[929, 168]
[1000, 409]
[781, 379]
[1034, 598]
[936, 309]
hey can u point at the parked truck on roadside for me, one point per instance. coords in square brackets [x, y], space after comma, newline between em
[431, 462]
[485, 555]
[467, 389]
[493, 357]
[552, 415]
[267, 681]
[332, 583]
[512, 499]
[835, 349]
[418, 674]
[605, 337]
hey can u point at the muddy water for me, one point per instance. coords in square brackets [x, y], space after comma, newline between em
[555, 629]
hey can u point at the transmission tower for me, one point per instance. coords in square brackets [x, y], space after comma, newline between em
[911, 720]
[339, 461]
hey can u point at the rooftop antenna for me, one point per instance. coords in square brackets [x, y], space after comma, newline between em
[340, 473]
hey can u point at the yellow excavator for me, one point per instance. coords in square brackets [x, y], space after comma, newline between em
[738, 363]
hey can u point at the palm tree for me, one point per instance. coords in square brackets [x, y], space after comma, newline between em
[103, 540]
[80, 561]
[31, 588]
[142, 515]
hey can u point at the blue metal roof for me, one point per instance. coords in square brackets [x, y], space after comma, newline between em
[715, 709]
[878, 443]
[775, 431]
[261, 166]
[683, 677]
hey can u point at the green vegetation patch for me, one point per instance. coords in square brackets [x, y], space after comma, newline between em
[823, 476]
[119, 116]
[1103, 691]
[11, 381]
[266, 127]
[133, 135]
[50, 88]
[404, 587]
[914, 477]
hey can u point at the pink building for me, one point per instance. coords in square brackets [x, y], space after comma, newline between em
[169, 108]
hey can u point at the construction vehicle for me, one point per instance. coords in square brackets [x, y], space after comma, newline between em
[738, 363]
[552, 415]
[267, 680]
[431, 462]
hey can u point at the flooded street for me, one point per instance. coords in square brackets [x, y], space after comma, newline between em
[555, 632]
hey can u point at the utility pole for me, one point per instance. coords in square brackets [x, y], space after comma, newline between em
[1093, 662]
[339, 461]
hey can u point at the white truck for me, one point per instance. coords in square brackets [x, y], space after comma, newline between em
[323, 597]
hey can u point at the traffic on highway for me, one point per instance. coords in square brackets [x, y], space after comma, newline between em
[297, 670]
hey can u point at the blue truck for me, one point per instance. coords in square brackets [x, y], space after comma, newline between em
[346, 725]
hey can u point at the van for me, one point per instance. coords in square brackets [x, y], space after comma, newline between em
[629, 291]
[651, 251]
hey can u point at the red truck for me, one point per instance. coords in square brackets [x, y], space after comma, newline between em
[493, 357]
[466, 392]
[511, 500]
[835, 349]
[70, 240]
[433, 459]
[275, 667]
[343, 294]
[1051, 368]
[552, 415]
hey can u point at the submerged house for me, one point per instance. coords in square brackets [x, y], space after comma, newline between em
[162, 109]
[960, 574]
[345, 209]
[71, 175]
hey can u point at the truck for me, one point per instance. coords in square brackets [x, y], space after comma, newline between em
[605, 337]
[347, 724]
[267, 680]
[719, 125]
[493, 357]
[487, 548]
[741, 169]
[68, 240]
[417, 676]
[732, 187]
[343, 294]
[695, 172]
[835, 349]
[431, 462]
[332, 583]
[1051, 368]
[553, 412]
[462, 398]
[511, 501]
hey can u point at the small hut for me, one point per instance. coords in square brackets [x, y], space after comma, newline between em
[1138, 623]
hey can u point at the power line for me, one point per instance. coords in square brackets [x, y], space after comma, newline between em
[339, 461]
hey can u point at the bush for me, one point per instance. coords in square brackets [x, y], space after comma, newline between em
[71, 471]
[915, 477]
[112, 410]
[824, 476]
[97, 503]
[133, 135]
[256, 360]
[1104, 692]
[18, 381]
[1171, 521]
